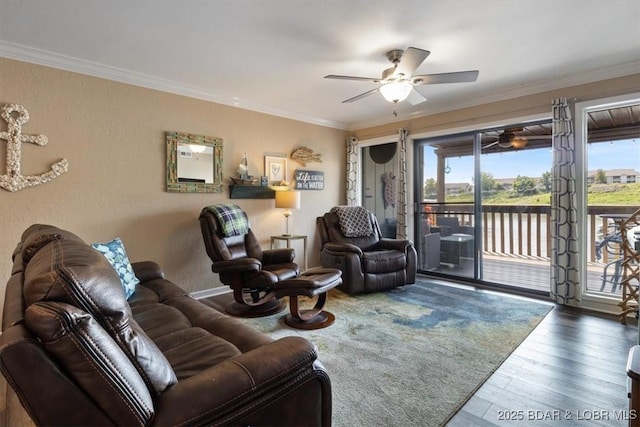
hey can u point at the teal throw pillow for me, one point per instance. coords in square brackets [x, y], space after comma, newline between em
[114, 252]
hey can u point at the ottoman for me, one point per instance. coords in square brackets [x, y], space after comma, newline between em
[314, 282]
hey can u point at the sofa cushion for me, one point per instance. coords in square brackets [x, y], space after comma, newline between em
[38, 235]
[115, 253]
[72, 272]
[93, 360]
[193, 350]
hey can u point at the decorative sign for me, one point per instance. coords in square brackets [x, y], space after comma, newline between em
[308, 180]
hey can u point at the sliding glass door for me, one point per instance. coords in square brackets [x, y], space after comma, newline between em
[485, 204]
[446, 236]
[515, 194]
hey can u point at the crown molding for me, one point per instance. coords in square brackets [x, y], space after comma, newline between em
[69, 63]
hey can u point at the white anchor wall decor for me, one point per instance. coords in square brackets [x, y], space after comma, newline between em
[15, 116]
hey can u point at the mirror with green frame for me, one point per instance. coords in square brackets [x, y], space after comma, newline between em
[194, 163]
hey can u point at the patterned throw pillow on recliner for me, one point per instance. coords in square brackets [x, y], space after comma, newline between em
[354, 221]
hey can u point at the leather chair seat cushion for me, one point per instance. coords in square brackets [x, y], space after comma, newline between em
[69, 271]
[383, 261]
[192, 350]
[159, 320]
[283, 271]
[189, 349]
[93, 360]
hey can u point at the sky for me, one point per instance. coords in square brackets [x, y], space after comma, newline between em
[533, 163]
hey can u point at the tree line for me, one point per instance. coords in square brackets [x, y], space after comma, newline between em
[522, 185]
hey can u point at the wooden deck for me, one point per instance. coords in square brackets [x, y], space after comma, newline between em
[527, 274]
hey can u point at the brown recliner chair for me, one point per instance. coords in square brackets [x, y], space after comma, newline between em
[242, 264]
[369, 263]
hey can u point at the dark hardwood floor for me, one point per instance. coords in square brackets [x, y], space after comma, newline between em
[571, 370]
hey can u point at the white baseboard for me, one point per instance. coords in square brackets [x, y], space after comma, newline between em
[211, 292]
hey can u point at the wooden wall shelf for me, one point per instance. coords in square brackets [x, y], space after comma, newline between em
[251, 192]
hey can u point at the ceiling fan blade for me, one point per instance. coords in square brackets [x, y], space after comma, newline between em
[415, 97]
[457, 77]
[532, 137]
[365, 79]
[490, 145]
[410, 61]
[362, 95]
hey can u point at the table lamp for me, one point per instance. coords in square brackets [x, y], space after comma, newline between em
[287, 200]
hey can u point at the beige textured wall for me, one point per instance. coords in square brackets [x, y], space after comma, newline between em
[113, 136]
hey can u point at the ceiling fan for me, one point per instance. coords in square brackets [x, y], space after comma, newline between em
[397, 82]
[511, 138]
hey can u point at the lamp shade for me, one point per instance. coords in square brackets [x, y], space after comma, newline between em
[396, 91]
[288, 199]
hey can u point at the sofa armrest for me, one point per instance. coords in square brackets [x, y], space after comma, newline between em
[240, 265]
[225, 393]
[147, 270]
[26, 365]
[278, 256]
[335, 248]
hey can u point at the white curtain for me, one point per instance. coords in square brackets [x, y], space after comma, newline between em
[352, 171]
[401, 230]
[565, 279]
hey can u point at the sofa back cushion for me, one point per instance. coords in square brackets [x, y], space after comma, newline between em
[69, 271]
[93, 360]
[39, 235]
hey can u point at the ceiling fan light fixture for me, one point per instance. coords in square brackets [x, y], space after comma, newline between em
[395, 91]
[518, 142]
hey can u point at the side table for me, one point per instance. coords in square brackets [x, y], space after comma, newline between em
[288, 239]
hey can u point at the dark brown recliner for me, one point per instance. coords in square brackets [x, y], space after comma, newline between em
[368, 263]
[242, 265]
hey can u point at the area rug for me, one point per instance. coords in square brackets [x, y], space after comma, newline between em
[413, 357]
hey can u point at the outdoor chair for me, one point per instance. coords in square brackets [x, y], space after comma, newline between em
[612, 270]
[430, 247]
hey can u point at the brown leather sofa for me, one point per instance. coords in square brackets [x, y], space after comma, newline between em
[77, 352]
[368, 263]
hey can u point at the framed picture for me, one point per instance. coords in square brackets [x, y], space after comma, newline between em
[275, 168]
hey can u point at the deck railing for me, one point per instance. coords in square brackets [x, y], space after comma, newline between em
[522, 231]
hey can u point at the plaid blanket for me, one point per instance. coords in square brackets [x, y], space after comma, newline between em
[232, 219]
[354, 221]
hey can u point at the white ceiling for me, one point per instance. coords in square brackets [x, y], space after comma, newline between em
[271, 55]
